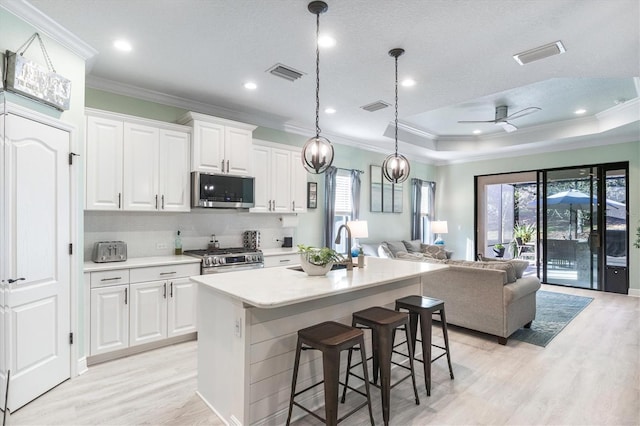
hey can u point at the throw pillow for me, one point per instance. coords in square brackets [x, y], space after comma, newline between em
[394, 247]
[383, 251]
[412, 246]
[503, 266]
[370, 249]
[519, 265]
[433, 251]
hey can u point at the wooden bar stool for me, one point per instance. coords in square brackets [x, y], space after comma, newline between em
[425, 307]
[330, 338]
[383, 322]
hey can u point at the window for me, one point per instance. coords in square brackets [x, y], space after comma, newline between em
[426, 212]
[343, 207]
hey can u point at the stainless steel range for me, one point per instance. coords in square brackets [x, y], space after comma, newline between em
[227, 259]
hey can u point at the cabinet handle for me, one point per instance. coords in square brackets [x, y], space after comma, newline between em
[294, 204]
[285, 260]
[162, 201]
[167, 273]
[156, 201]
[125, 295]
[111, 279]
[222, 166]
[171, 290]
[227, 166]
[119, 200]
[164, 293]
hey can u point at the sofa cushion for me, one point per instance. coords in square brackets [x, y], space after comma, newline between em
[412, 246]
[370, 249]
[519, 265]
[394, 247]
[502, 266]
[419, 257]
[435, 251]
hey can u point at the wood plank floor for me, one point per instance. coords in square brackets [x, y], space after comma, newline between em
[588, 375]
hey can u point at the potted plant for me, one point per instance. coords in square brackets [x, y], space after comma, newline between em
[318, 261]
[498, 249]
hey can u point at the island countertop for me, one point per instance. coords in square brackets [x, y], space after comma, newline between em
[282, 286]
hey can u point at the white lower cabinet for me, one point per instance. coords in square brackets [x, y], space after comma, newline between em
[157, 303]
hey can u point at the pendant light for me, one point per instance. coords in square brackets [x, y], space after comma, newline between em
[395, 167]
[317, 153]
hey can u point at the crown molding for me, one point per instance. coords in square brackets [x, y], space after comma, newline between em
[28, 13]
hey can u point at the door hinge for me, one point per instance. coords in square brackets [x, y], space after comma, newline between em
[71, 155]
[71, 338]
[71, 248]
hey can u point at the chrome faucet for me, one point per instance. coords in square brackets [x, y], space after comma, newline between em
[349, 258]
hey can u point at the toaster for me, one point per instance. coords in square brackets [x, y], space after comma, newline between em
[109, 251]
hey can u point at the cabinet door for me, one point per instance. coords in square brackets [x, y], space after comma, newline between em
[148, 317]
[181, 311]
[281, 180]
[109, 319]
[262, 175]
[104, 145]
[237, 151]
[298, 184]
[282, 260]
[174, 171]
[141, 162]
[208, 147]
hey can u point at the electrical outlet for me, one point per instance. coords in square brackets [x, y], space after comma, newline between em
[161, 246]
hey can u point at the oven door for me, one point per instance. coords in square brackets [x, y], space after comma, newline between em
[231, 268]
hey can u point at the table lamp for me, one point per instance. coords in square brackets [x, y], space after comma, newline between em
[439, 227]
[359, 229]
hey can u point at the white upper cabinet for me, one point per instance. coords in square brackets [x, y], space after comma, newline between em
[220, 146]
[280, 179]
[135, 164]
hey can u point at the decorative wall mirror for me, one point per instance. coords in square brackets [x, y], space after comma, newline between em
[385, 196]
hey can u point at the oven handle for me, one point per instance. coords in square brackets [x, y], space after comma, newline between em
[231, 268]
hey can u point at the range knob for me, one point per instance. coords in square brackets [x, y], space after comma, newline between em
[206, 261]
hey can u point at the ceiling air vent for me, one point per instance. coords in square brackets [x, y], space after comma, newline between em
[285, 72]
[538, 53]
[375, 106]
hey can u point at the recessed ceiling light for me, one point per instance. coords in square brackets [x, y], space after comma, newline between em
[250, 85]
[326, 41]
[477, 132]
[580, 111]
[330, 110]
[408, 82]
[122, 45]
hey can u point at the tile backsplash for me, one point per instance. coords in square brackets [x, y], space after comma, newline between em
[153, 234]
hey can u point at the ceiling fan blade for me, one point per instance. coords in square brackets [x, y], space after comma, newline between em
[476, 121]
[522, 113]
[508, 127]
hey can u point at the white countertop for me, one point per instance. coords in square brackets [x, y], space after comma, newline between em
[139, 262]
[279, 251]
[281, 286]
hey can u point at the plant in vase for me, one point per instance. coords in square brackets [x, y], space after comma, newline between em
[318, 261]
[498, 249]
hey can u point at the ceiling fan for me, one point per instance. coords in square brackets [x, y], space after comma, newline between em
[502, 117]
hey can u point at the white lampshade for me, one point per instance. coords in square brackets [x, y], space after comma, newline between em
[439, 227]
[358, 228]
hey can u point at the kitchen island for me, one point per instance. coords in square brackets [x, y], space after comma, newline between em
[247, 325]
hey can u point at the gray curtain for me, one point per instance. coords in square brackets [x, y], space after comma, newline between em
[329, 205]
[355, 194]
[416, 203]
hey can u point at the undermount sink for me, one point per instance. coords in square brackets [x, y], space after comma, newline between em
[333, 268]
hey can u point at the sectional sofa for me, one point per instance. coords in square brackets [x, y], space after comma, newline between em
[489, 296]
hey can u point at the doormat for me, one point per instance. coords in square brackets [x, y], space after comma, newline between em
[553, 312]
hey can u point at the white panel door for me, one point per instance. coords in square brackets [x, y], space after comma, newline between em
[181, 312]
[104, 164]
[141, 161]
[36, 227]
[109, 319]
[174, 171]
[237, 151]
[208, 147]
[262, 174]
[281, 180]
[148, 312]
[298, 183]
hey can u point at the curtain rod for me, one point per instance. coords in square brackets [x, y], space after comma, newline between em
[350, 170]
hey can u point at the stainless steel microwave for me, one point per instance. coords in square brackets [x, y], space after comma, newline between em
[222, 191]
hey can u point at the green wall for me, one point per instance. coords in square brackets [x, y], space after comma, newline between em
[455, 191]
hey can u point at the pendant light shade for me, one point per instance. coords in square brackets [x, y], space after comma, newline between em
[317, 153]
[395, 167]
